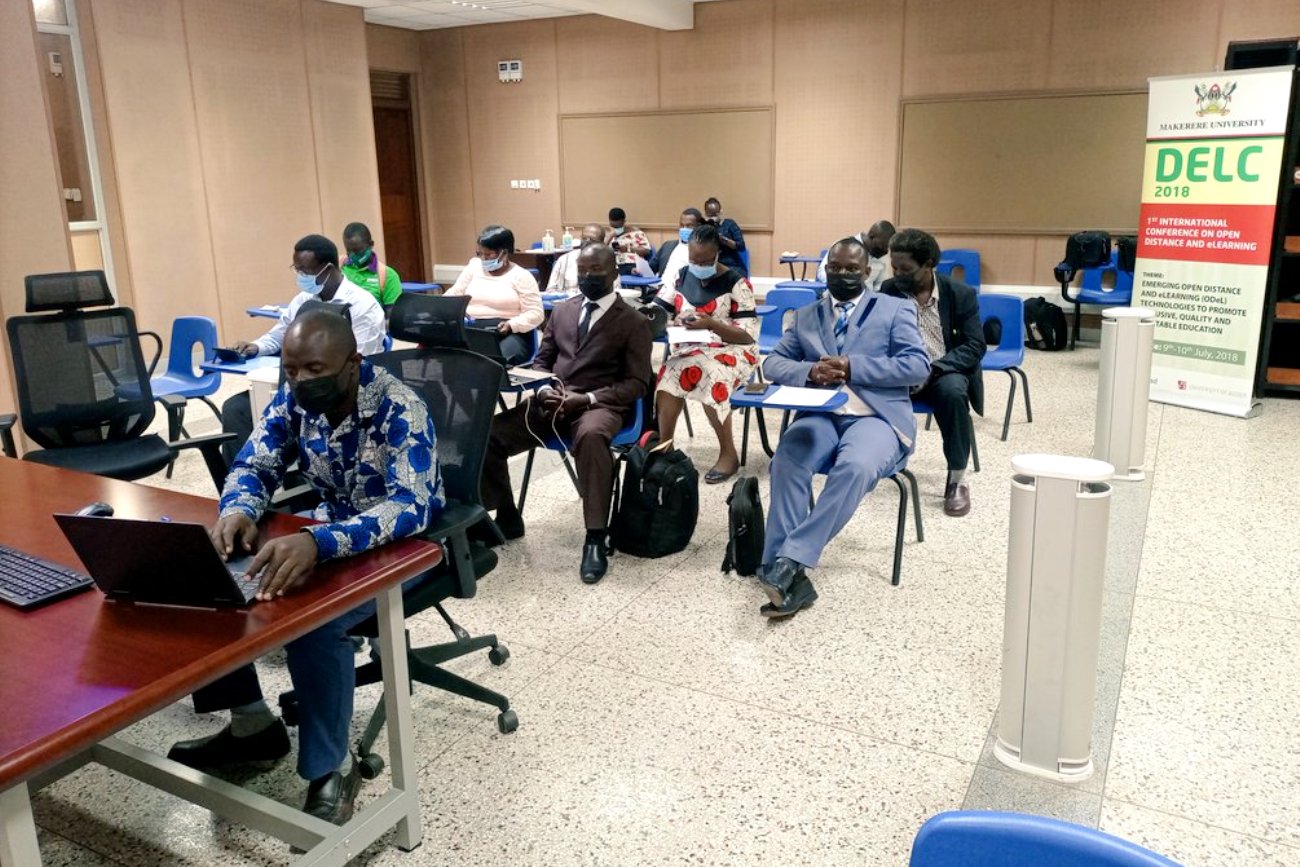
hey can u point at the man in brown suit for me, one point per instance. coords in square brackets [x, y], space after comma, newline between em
[598, 348]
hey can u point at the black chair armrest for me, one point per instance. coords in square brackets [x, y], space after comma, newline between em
[172, 401]
[7, 422]
[450, 528]
[210, 447]
[157, 353]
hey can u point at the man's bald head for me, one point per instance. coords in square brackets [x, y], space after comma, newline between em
[331, 331]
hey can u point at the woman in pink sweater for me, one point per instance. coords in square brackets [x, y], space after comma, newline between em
[503, 296]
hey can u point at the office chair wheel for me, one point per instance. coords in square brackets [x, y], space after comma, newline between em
[507, 722]
[499, 654]
[370, 766]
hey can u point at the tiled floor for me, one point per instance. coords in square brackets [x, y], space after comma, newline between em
[662, 721]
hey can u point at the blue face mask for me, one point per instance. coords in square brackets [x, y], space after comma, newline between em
[703, 272]
[685, 234]
[491, 265]
[307, 282]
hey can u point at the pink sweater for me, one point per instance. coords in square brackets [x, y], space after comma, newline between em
[512, 295]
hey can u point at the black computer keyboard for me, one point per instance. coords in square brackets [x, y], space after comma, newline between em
[27, 581]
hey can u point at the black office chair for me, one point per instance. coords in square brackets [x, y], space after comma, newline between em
[83, 385]
[460, 389]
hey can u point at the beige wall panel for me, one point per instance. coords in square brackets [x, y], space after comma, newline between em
[1004, 259]
[725, 61]
[835, 155]
[156, 159]
[1256, 19]
[1048, 251]
[513, 129]
[961, 47]
[339, 79]
[35, 238]
[255, 126]
[450, 192]
[86, 252]
[606, 65]
[1119, 43]
[392, 48]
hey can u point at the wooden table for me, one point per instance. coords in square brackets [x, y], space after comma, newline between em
[75, 672]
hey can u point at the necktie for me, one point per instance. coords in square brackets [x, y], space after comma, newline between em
[842, 324]
[585, 325]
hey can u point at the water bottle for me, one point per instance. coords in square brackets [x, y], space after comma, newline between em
[567, 239]
[548, 242]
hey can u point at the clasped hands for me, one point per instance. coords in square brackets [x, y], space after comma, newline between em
[830, 370]
[284, 563]
[557, 403]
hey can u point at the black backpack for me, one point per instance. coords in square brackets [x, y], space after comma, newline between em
[1089, 249]
[1126, 247]
[745, 528]
[1045, 326]
[659, 503]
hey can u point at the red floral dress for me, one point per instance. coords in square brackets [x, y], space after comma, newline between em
[709, 374]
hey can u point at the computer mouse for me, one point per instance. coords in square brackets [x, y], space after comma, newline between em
[96, 510]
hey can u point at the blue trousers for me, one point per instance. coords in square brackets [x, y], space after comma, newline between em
[863, 449]
[322, 666]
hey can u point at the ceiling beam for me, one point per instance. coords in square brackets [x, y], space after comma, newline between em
[663, 14]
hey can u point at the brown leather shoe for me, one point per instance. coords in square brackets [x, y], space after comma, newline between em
[956, 500]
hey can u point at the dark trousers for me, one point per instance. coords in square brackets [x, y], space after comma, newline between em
[588, 435]
[951, 403]
[323, 671]
[236, 418]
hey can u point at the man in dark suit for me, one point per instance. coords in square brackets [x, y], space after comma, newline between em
[598, 347]
[949, 316]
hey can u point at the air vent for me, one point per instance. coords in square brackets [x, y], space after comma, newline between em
[395, 86]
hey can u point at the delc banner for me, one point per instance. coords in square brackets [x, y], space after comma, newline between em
[1205, 232]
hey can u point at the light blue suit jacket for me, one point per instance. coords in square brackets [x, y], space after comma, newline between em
[885, 350]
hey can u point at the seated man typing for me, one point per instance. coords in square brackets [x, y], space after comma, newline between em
[869, 346]
[366, 443]
[598, 347]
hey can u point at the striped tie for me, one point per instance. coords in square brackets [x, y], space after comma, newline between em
[842, 324]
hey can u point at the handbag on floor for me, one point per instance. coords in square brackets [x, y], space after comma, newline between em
[745, 528]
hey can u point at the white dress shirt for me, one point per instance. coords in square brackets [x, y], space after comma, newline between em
[367, 319]
[564, 275]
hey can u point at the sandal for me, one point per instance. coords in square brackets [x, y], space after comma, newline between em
[717, 477]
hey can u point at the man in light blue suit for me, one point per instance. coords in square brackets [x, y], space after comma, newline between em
[869, 346]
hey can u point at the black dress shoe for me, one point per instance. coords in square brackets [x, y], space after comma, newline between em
[511, 524]
[777, 578]
[224, 750]
[801, 595]
[594, 562]
[334, 796]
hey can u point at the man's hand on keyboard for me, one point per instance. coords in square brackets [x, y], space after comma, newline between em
[284, 564]
[234, 535]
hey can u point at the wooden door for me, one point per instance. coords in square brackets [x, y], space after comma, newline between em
[399, 191]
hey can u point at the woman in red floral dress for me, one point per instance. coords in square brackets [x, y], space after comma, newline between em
[708, 297]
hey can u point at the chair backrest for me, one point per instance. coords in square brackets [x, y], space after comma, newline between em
[744, 258]
[1092, 280]
[66, 291]
[460, 389]
[1010, 311]
[967, 260]
[987, 839]
[772, 326]
[81, 376]
[188, 332]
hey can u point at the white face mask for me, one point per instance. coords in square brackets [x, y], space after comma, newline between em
[491, 265]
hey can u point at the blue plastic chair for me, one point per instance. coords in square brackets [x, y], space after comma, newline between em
[900, 529]
[920, 407]
[518, 390]
[771, 313]
[623, 440]
[968, 838]
[182, 378]
[1092, 290]
[1009, 354]
[744, 258]
[967, 260]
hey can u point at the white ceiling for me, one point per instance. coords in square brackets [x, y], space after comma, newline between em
[432, 14]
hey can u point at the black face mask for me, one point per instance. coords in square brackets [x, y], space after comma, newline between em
[844, 287]
[593, 286]
[322, 394]
[906, 283]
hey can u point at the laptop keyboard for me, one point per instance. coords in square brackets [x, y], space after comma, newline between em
[27, 581]
[247, 584]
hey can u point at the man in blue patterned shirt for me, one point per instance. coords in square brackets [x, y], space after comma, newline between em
[366, 444]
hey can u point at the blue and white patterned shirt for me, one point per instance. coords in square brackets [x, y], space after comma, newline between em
[377, 472]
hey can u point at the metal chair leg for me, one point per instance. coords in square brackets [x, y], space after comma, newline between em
[573, 476]
[929, 416]
[1011, 401]
[528, 474]
[212, 406]
[744, 435]
[686, 412]
[1074, 329]
[974, 448]
[899, 530]
[1029, 410]
[916, 504]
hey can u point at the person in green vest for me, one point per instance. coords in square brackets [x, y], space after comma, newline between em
[362, 266]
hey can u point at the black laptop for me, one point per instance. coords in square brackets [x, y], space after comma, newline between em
[161, 562]
[437, 320]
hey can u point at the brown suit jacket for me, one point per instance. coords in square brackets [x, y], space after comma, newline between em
[613, 363]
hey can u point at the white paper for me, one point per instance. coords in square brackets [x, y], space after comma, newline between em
[790, 395]
[681, 334]
[521, 374]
